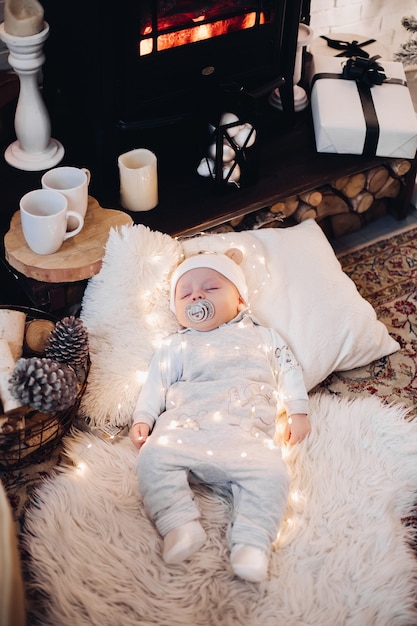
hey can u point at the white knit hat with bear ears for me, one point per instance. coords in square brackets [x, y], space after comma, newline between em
[220, 262]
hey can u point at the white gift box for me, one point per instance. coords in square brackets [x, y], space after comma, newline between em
[340, 124]
[321, 47]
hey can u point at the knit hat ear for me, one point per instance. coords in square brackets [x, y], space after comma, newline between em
[235, 254]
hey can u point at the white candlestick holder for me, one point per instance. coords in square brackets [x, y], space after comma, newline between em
[34, 149]
[305, 37]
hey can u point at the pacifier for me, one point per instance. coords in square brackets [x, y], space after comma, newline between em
[199, 311]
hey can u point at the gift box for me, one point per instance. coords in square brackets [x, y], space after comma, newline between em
[354, 115]
[347, 45]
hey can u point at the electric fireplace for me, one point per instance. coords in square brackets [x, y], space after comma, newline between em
[154, 73]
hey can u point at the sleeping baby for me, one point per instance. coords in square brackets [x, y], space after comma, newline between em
[208, 410]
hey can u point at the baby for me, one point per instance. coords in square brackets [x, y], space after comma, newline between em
[211, 400]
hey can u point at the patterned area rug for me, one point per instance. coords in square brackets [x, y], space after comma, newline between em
[385, 273]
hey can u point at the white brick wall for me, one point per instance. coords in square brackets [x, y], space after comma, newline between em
[380, 19]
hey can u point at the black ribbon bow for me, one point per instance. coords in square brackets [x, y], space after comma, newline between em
[349, 48]
[364, 71]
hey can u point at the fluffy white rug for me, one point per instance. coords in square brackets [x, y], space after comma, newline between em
[342, 557]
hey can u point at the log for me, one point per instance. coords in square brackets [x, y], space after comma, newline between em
[378, 209]
[339, 183]
[313, 197]
[12, 425]
[261, 219]
[399, 167]
[286, 207]
[391, 189]
[304, 212]
[331, 204]
[12, 329]
[236, 221]
[345, 223]
[376, 178]
[37, 333]
[354, 185]
[7, 364]
[361, 202]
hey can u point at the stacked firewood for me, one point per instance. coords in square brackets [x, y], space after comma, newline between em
[341, 207]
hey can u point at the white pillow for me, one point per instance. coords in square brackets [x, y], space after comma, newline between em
[295, 283]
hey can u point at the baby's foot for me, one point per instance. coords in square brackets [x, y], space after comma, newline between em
[182, 542]
[249, 563]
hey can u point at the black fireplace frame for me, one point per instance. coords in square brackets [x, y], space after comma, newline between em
[99, 108]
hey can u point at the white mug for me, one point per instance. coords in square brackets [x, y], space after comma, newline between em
[44, 217]
[138, 173]
[73, 183]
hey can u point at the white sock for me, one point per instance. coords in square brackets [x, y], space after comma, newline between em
[249, 563]
[182, 542]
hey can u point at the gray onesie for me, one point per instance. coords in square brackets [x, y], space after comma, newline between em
[212, 400]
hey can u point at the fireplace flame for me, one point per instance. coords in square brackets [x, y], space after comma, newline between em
[199, 32]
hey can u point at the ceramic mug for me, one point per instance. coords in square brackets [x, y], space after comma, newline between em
[138, 173]
[44, 217]
[73, 183]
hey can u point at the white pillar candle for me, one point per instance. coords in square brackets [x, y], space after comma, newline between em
[138, 180]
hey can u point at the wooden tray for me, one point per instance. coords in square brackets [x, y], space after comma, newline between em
[79, 257]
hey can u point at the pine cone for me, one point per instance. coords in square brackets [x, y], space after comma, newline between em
[68, 343]
[44, 384]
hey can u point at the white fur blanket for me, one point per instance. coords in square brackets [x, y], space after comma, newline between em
[342, 556]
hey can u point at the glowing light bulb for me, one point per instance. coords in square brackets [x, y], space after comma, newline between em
[81, 467]
[295, 496]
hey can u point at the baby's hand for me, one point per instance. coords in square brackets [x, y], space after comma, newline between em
[139, 434]
[296, 428]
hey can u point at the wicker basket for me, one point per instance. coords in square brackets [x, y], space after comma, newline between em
[34, 435]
